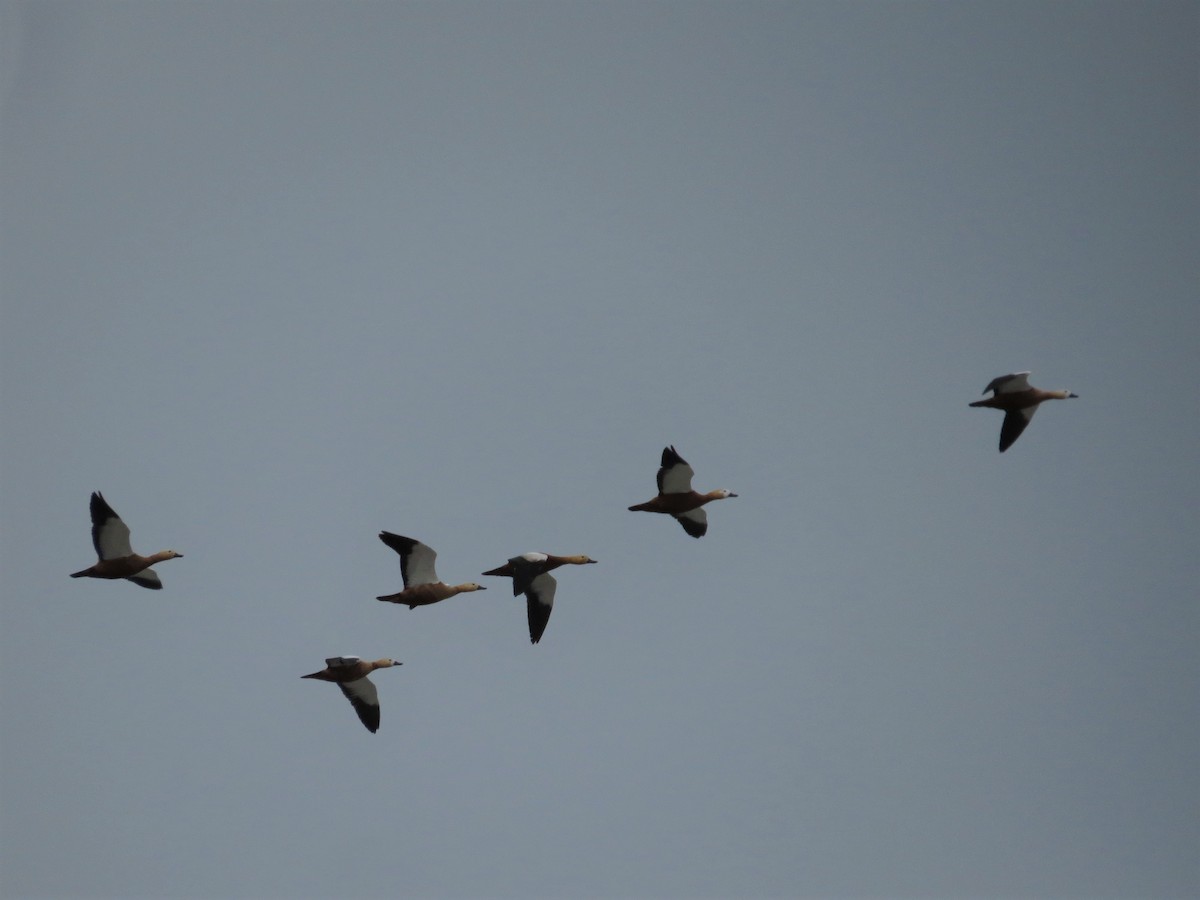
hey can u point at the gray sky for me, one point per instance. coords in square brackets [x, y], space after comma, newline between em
[278, 276]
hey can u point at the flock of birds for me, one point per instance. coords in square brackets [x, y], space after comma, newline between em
[530, 572]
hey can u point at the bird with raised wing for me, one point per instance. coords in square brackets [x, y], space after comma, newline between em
[421, 584]
[676, 497]
[1019, 400]
[350, 674]
[110, 537]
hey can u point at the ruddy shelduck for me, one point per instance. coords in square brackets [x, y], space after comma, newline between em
[676, 497]
[1019, 400]
[110, 537]
[421, 584]
[531, 576]
[350, 674]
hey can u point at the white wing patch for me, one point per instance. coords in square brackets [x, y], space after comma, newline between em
[694, 522]
[1009, 384]
[363, 690]
[365, 700]
[677, 479]
[146, 578]
[542, 588]
[112, 539]
[335, 662]
[420, 566]
[531, 557]
[539, 600]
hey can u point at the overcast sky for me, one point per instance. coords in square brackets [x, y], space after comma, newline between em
[277, 276]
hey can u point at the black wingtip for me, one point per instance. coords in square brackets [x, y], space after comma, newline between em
[100, 510]
[671, 457]
[695, 529]
[397, 542]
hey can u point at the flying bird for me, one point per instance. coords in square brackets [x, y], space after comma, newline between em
[531, 576]
[676, 497]
[350, 674]
[1019, 400]
[110, 537]
[421, 584]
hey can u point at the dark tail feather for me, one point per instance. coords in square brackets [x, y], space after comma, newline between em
[80, 573]
[391, 598]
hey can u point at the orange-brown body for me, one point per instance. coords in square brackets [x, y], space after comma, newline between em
[671, 504]
[538, 567]
[124, 566]
[352, 672]
[1020, 399]
[425, 594]
[527, 567]
[676, 496]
